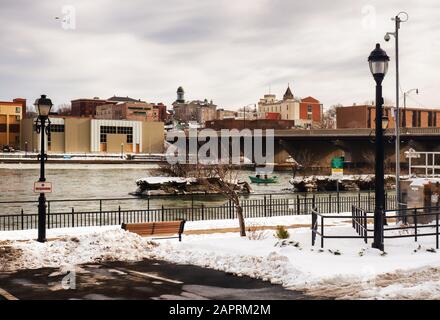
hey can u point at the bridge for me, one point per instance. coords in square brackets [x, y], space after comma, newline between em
[316, 147]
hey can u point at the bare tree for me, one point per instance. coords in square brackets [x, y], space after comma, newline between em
[328, 120]
[217, 178]
[64, 109]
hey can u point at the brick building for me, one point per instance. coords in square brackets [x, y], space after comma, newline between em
[364, 116]
[305, 112]
[196, 110]
[87, 107]
[136, 111]
[11, 114]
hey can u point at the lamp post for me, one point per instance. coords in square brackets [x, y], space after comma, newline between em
[397, 19]
[43, 105]
[405, 94]
[378, 61]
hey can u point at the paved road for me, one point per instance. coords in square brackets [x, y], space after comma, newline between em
[147, 279]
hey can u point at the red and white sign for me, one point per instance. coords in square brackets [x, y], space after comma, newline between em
[42, 187]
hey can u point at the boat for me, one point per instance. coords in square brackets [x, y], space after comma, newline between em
[263, 179]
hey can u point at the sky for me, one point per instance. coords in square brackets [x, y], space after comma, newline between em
[230, 51]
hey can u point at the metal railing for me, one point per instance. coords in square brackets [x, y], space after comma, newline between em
[266, 205]
[407, 223]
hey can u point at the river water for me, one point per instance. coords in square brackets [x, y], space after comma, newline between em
[99, 181]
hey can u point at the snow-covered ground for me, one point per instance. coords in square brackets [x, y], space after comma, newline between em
[344, 269]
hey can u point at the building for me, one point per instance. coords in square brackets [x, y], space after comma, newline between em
[305, 112]
[162, 112]
[87, 107]
[136, 111]
[11, 114]
[241, 124]
[225, 114]
[193, 111]
[86, 135]
[364, 116]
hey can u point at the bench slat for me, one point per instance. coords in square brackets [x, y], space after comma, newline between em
[153, 228]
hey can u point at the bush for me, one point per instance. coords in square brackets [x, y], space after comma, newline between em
[254, 232]
[282, 233]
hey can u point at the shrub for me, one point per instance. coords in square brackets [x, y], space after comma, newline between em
[254, 232]
[282, 233]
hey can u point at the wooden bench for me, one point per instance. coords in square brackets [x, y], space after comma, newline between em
[149, 229]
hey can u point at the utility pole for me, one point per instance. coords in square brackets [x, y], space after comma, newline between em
[397, 21]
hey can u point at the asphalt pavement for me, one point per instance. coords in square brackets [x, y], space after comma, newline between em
[147, 279]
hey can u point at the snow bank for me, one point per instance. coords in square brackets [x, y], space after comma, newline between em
[347, 269]
[162, 180]
[111, 245]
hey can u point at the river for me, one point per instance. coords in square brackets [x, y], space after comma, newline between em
[99, 181]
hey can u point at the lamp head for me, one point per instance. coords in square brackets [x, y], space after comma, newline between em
[378, 61]
[43, 105]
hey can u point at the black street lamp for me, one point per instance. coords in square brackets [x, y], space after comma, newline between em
[378, 61]
[43, 106]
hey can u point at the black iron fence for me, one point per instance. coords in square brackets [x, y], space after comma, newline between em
[254, 206]
[400, 223]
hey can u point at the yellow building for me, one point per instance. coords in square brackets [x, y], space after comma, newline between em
[11, 114]
[86, 135]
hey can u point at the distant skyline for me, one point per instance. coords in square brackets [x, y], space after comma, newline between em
[229, 51]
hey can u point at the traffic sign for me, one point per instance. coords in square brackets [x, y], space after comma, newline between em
[42, 187]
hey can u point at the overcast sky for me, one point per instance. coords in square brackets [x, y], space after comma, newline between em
[231, 51]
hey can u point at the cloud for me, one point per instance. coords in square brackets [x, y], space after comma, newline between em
[229, 51]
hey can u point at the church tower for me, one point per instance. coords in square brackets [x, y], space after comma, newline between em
[288, 95]
[180, 95]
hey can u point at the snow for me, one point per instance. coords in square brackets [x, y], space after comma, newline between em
[420, 182]
[407, 270]
[162, 180]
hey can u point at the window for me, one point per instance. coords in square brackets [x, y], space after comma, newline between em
[104, 130]
[17, 110]
[309, 109]
[57, 127]
[107, 129]
[430, 119]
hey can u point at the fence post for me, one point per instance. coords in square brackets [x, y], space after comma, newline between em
[369, 200]
[322, 232]
[338, 200]
[73, 217]
[119, 214]
[270, 205]
[148, 208]
[365, 227]
[22, 219]
[415, 225]
[230, 209]
[436, 230]
[298, 206]
[359, 198]
[264, 206]
[313, 202]
[163, 214]
[314, 226]
[386, 201]
[203, 211]
[48, 214]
